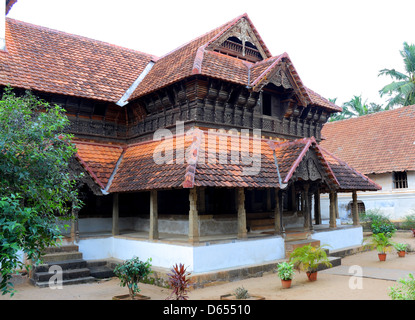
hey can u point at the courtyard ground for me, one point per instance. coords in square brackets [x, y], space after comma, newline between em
[360, 277]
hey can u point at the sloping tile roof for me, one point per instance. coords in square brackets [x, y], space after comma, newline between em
[46, 60]
[99, 160]
[349, 179]
[135, 168]
[376, 143]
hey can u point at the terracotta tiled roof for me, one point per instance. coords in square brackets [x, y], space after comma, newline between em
[349, 179]
[99, 160]
[135, 168]
[376, 143]
[323, 102]
[47, 60]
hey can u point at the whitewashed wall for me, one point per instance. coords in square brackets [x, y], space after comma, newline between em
[393, 203]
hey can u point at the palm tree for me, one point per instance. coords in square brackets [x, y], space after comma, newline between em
[356, 108]
[402, 89]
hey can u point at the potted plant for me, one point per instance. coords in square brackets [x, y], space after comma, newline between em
[401, 249]
[382, 243]
[285, 273]
[308, 258]
[179, 282]
[130, 273]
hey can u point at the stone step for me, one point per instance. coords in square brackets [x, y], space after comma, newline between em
[61, 256]
[45, 284]
[296, 235]
[63, 248]
[66, 275]
[65, 265]
[101, 272]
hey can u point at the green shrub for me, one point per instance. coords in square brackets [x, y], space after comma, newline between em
[378, 222]
[409, 222]
[131, 272]
[406, 291]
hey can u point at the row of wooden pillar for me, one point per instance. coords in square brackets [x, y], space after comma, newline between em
[194, 236]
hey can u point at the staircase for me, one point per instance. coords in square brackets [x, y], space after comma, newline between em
[74, 269]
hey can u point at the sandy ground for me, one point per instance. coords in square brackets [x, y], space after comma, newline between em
[327, 287]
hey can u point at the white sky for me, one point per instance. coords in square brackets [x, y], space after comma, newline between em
[337, 47]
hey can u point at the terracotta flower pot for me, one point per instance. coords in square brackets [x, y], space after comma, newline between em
[286, 283]
[382, 256]
[401, 254]
[312, 276]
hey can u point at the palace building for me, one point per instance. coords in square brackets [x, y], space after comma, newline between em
[208, 156]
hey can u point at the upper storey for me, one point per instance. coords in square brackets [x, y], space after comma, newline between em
[224, 78]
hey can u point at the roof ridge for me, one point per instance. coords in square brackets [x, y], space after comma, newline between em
[32, 25]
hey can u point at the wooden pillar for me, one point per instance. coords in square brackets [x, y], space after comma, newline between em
[336, 205]
[241, 214]
[355, 213]
[294, 205]
[317, 207]
[74, 225]
[307, 208]
[332, 210]
[115, 215]
[193, 217]
[279, 229]
[154, 228]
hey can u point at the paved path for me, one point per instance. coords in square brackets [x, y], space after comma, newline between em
[369, 272]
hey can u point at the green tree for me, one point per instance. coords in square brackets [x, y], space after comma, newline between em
[402, 89]
[356, 107]
[37, 187]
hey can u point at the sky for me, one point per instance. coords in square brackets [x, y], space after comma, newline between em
[337, 47]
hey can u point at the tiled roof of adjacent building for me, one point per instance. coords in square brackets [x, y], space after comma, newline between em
[376, 143]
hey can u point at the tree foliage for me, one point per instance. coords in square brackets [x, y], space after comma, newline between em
[356, 107]
[402, 88]
[36, 185]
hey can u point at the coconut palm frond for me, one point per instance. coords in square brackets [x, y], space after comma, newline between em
[393, 74]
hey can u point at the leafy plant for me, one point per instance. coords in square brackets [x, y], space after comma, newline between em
[380, 241]
[404, 292]
[241, 293]
[408, 222]
[400, 246]
[378, 222]
[37, 185]
[285, 270]
[308, 258]
[131, 272]
[180, 282]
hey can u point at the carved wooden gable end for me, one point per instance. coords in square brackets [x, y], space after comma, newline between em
[310, 169]
[240, 41]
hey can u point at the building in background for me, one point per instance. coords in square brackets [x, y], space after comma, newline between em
[381, 146]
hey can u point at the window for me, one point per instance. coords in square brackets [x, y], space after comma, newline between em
[400, 180]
